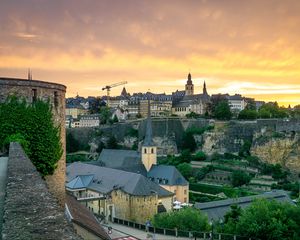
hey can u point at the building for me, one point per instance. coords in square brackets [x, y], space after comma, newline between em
[237, 102]
[75, 110]
[91, 120]
[145, 163]
[116, 193]
[217, 209]
[31, 90]
[170, 179]
[84, 222]
[188, 102]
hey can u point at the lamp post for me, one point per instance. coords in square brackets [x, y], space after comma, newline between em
[211, 223]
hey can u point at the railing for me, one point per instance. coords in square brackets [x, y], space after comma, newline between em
[179, 233]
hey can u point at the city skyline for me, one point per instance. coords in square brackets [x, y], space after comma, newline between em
[250, 48]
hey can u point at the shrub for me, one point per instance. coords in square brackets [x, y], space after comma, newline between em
[35, 124]
[200, 156]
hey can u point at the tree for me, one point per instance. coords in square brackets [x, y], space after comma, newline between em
[247, 114]
[36, 125]
[185, 169]
[112, 142]
[268, 220]
[188, 141]
[72, 145]
[185, 156]
[105, 114]
[222, 111]
[200, 156]
[239, 178]
[187, 219]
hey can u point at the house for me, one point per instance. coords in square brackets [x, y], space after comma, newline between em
[116, 193]
[91, 120]
[237, 102]
[75, 110]
[84, 222]
[217, 209]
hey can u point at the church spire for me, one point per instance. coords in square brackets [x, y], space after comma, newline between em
[204, 89]
[148, 137]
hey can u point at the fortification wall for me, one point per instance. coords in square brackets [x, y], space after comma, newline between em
[30, 211]
[55, 94]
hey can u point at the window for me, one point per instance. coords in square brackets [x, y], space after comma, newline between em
[55, 99]
[185, 199]
[34, 95]
[152, 150]
[185, 191]
[145, 150]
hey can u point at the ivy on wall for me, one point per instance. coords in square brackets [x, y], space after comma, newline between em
[32, 125]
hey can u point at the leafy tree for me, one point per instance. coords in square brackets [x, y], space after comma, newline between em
[193, 115]
[239, 178]
[268, 220]
[222, 111]
[187, 219]
[247, 114]
[214, 101]
[72, 145]
[200, 156]
[105, 114]
[96, 105]
[185, 156]
[188, 141]
[35, 124]
[112, 142]
[250, 105]
[185, 169]
[245, 149]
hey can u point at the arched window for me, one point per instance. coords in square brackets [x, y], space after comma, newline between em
[145, 150]
[152, 150]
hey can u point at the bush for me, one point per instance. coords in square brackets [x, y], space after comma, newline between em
[18, 137]
[239, 178]
[33, 123]
[186, 219]
[200, 156]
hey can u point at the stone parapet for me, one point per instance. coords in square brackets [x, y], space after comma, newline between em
[30, 211]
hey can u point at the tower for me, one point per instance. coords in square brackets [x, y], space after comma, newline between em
[189, 86]
[149, 149]
[204, 89]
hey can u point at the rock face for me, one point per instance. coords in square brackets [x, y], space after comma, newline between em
[283, 149]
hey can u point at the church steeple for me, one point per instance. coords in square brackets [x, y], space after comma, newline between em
[148, 137]
[189, 86]
[149, 149]
[204, 89]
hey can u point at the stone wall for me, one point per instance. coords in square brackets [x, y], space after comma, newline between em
[30, 211]
[55, 94]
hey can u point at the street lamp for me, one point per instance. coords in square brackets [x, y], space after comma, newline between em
[211, 223]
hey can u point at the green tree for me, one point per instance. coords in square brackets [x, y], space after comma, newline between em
[35, 124]
[185, 169]
[222, 111]
[269, 220]
[239, 178]
[72, 145]
[112, 142]
[188, 141]
[247, 114]
[200, 156]
[187, 219]
[105, 114]
[185, 156]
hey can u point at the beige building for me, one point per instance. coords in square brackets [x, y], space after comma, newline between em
[91, 120]
[76, 111]
[116, 193]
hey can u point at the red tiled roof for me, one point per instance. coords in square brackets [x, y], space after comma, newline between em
[84, 218]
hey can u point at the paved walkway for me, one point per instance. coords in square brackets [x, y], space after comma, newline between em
[3, 171]
[124, 231]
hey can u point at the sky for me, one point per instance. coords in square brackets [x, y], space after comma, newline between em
[249, 47]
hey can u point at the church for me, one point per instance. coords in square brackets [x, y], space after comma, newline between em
[185, 102]
[145, 163]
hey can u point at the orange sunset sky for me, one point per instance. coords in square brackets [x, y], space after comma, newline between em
[250, 47]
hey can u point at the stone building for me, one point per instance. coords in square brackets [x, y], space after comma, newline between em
[187, 102]
[116, 193]
[31, 90]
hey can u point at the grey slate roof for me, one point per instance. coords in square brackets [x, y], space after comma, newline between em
[126, 160]
[106, 180]
[217, 209]
[166, 175]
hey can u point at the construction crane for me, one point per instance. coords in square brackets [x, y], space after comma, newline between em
[111, 86]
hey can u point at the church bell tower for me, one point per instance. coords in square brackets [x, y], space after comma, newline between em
[149, 150]
[189, 86]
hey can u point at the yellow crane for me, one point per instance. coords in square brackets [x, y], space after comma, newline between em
[108, 90]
